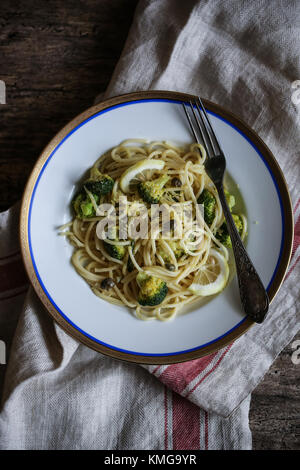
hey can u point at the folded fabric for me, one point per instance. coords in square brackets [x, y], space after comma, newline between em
[61, 395]
[58, 394]
[243, 56]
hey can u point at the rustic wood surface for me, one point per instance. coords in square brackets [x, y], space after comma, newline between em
[55, 57]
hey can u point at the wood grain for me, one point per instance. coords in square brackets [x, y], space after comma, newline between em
[55, 58]
[275, 405]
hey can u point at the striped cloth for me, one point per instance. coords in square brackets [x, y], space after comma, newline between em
[60, 389]
[71, 397]
[243, 56]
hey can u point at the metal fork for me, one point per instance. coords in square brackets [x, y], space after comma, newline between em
[253, 295]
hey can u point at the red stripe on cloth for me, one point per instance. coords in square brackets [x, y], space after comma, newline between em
[178, 376]
[295, 244]
[166, 417]
[155, 370]
[210, 371]
[12, 275]
[185, 424]
[296, 236]
[296, 207]
[292, 268]
[206, 429]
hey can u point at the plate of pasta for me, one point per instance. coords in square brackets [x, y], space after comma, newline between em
[123, 234]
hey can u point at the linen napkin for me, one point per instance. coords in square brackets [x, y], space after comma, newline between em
[58, 394]
[243, 56]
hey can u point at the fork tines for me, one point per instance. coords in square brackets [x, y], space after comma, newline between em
[203, 126]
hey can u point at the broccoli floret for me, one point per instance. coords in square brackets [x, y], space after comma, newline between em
[115, 250]
[176, 248]
[209, 203]
[83, 206]
[152, 191]
[152, 290]
[239, 223]
[223, 236]
[222, 233]
[98, 183]
[230, 199]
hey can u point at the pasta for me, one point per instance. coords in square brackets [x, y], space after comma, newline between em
[178, 261]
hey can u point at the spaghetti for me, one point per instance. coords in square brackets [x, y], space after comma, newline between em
[178, 263]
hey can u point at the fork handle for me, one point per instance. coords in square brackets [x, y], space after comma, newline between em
[253, 295]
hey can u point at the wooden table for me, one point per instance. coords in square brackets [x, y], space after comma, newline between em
[55, 58]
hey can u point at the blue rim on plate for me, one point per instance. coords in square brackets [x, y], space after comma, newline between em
[92, 113]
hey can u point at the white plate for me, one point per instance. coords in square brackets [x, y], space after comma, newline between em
[46, 205]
